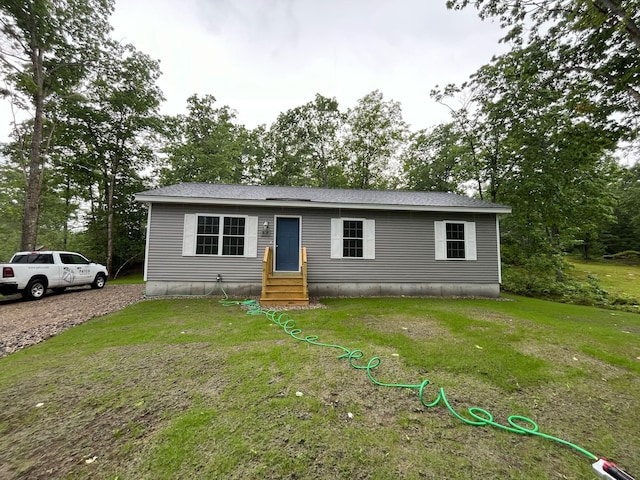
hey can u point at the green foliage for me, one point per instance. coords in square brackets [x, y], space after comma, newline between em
[375, 132]
[609, 284]
[206, 145]
[432, 159]
[594, 46]
[528, 145]
[521, 281]
[618, 276]
[535, 130]
[549, 113]
[11, 203]
[110, 129]
[304, 146]
[625, 233]
[49, 46]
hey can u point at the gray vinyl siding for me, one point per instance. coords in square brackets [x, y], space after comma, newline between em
[404, 253]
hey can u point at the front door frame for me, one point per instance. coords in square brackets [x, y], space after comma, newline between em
[275, 240]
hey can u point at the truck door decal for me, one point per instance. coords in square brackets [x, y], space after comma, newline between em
[67, 275]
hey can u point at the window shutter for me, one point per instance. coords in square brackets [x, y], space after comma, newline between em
[336, 238]
[369, 239]
[189, 235]
[440, 240]
[470, 241]
[251, 237]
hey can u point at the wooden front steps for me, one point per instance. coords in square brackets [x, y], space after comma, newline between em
[284, 288]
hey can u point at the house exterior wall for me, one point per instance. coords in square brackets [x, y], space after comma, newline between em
[404, 261]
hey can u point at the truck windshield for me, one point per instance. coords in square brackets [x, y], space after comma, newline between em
[33, 258]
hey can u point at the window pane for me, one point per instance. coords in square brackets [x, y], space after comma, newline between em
[233, 246]
[44, 258]
[352, 229]
[455, 249]
[352, 248]
[233, 226]
[78, 260]
[207, 245]
[208, 225]
[455, 231]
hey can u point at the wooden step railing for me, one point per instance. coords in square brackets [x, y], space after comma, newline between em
[284, 288]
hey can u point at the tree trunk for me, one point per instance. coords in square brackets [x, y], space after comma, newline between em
[67, 213]
[34, 180]
[110, 192]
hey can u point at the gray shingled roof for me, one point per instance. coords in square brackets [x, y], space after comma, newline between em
[316, 197]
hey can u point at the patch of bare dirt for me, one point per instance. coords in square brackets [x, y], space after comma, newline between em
[24, 323]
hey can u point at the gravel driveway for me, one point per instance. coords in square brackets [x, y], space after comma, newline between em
[24, 323]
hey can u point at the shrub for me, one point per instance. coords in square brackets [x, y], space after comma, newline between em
[546, 285]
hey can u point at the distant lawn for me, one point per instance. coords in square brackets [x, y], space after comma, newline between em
[614, 276]
[132, 278]
[183, 389]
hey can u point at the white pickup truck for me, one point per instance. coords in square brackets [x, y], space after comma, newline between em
[32, 273]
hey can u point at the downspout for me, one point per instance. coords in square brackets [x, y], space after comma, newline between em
[146, 243]
[498, 247]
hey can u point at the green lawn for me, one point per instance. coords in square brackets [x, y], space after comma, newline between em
[182, 389]
[132, 278]
[615, 277]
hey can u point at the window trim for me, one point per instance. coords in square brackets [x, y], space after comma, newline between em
[368, 238]
[470, 244]
[190, 235]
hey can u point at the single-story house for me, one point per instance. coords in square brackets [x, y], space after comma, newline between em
[338, 242]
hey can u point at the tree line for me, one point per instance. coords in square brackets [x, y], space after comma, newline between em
[537, 128]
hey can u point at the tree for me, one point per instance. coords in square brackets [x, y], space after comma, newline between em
[320, 131]
[625, 233]
[303, 146]
[282, 162]
[11, 197]
[206, 145]
[50, 45]
[595, 44]
[107, 130]
[532, 146]
[433, 158]
[375, 132]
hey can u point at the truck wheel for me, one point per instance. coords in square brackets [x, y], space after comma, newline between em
[35, 290]
[99, 281]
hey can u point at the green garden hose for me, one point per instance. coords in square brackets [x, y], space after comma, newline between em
[478, 416]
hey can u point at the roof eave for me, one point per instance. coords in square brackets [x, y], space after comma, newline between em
[308, 204]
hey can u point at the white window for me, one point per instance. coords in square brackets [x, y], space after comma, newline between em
[226, 235]
[455, 240]
[353, 238]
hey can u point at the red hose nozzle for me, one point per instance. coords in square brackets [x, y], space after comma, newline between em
[610, 471]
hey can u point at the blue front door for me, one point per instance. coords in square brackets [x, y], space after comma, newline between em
[287, 244]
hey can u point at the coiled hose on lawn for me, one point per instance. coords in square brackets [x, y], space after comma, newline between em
[478, 416]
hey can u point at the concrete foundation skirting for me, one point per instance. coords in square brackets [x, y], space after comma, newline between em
[162, 289]
[406, 289]
[168, 289]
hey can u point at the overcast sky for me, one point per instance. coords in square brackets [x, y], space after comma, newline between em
[262, 57]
